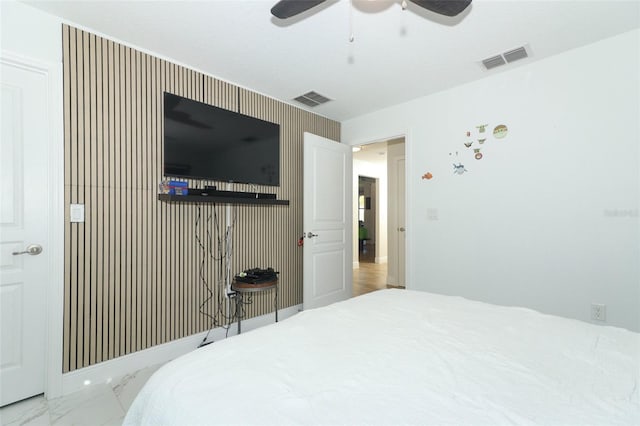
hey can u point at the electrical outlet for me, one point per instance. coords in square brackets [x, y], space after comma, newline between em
[598, 312]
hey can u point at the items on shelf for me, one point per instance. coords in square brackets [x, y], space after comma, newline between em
[223, 199]
[173, 187]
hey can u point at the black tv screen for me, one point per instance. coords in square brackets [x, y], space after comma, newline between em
[205, 142]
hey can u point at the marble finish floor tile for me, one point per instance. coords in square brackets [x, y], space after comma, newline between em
[102, 404]
[33, 411]
[96, 405]
[126, 389]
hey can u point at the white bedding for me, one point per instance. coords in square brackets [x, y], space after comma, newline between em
[401, 357]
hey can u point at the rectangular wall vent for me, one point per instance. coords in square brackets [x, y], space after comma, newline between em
[312, 99]
[515, 54]
[494, 61]
[506, 57]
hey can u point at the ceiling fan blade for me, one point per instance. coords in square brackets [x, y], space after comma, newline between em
[287, 8]
[443, 7]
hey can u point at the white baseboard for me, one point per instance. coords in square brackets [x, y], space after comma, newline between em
[107, 371]
[381, 259]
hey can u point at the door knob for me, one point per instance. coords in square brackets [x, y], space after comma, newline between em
[311, 235]
[401, 229]
[33, 250]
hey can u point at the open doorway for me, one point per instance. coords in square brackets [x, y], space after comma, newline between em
[378, 250]
[367, 218]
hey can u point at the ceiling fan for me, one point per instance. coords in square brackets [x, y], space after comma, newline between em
[287, 8]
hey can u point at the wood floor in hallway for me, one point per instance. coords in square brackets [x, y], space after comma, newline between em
[369, 277]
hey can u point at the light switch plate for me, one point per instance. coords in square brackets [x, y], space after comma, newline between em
[76, 213]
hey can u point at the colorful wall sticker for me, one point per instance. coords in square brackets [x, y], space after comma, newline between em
[427, 176]
[480, 136]
[458, 169]
[500, 131]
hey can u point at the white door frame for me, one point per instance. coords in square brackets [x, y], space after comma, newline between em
[55, 186]
[408, 150]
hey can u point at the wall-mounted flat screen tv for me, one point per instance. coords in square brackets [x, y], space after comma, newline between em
[205, 142]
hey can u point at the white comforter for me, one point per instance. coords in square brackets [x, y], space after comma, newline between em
[401, 357]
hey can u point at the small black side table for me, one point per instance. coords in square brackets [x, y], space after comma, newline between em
[242, 288]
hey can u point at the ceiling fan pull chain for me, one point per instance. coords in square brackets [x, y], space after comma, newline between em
[351, 35]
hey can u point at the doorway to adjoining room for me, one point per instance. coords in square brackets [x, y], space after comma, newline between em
[378, 257]
[367, 219]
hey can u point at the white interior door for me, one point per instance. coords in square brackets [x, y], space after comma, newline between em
[396, 231]
[402, 232]
[23, 226]
[327, 221]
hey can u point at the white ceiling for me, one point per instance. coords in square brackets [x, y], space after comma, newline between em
[396, 56]
[375, 153]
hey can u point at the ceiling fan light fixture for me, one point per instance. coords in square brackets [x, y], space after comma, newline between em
[372, 6]
[287, 8]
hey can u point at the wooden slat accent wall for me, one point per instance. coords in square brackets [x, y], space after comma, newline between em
[136, 274]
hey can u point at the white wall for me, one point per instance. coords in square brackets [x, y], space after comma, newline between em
[40, 39]
[548, 219]
[379, 171]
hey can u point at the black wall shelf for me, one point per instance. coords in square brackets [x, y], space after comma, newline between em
[220, 200]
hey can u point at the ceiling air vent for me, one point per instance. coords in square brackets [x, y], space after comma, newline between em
[506, 57]
[515, 54]
[312, 99]
[494, 61]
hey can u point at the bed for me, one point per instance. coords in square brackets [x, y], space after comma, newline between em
[402, 357]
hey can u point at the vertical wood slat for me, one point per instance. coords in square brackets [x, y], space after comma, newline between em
[162, 211]
[125, 205]
[132, 270]
[133, 201]
[90, 170]
[110, 200]
[120, 199]
[145, 207]
[97, 218]
[84, 176]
